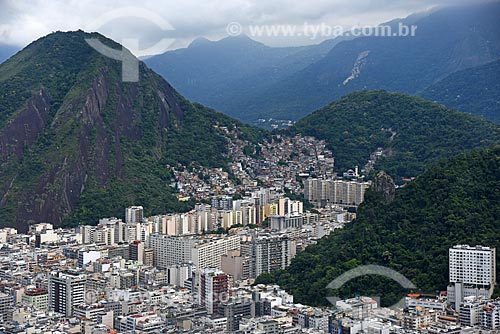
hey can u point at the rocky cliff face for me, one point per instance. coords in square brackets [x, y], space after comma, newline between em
[23, 130]
[384, 184]
[58, 189]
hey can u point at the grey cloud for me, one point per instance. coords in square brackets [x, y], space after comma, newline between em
[22, 22]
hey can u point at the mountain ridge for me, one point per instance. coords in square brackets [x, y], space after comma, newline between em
[411, 133]
[447, 40]
[474, 90]
[231, 67]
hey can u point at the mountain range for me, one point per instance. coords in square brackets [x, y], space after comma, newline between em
[240, 77]
[215, 73]
[77, 143]
[475, 90]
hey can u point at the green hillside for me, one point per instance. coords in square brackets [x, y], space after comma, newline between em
[414, 133]
[77, 143]
[455, 202]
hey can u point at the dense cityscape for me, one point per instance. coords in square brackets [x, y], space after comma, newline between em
[196, 271]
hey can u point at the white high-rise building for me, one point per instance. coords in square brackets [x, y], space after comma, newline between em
[170, 250]
[173, 225]
[203, 252]
[207, 253]
[109, 231]
[472, 265]
[472, 272]
[268, 253]
[180, 273]
[322, 192]
[131, 232]
[230, 218]
[66, 291]
[134, 214]
[144, 230]
[193, 222]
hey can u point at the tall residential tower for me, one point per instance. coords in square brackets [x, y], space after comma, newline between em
[472, 272]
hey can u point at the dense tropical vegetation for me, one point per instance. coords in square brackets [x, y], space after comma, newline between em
[455, 202]
[107, 144]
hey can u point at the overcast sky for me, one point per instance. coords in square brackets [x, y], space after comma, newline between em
[175, 23]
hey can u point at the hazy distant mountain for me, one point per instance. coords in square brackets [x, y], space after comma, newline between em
[475, 90]
[232, 75]
[446, 41]
[221, 72]
[7, 51]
